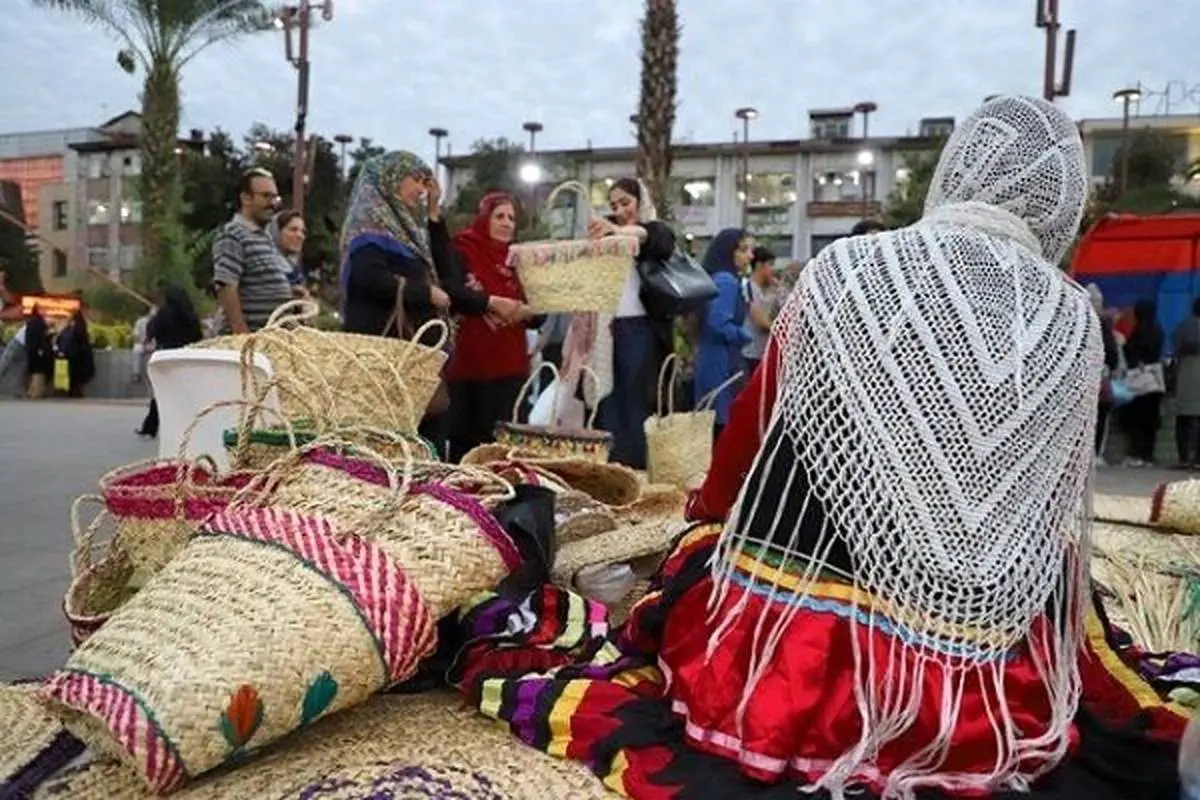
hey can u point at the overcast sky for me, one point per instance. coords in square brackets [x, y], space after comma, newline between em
[391, 69]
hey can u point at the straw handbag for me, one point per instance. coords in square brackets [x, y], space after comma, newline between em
[548, 441]
[679, 445]
[99, 586]
[335, 379]
[158, 504]
[574, 275]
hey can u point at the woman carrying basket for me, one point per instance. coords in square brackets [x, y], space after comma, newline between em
[396, 249]
[639, 342]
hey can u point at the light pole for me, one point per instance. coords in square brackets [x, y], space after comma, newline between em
[1047, 20]
[1125, 97]
[531, 172]
[745, 114]
[300, 18]
[866, 158]
[343, 139]
[438, 134]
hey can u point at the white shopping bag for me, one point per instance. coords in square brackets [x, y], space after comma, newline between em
[557, 407]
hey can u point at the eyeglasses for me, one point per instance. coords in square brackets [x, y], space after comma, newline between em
[265, 195]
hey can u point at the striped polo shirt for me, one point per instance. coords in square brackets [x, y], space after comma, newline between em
[245, 256]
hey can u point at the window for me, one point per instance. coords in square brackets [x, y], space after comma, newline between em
[98, 257]
[841, 186]
[131, 211]
[128, 257]
[819, 243]
[771, 190]
[831, 128]
[697, 191]
[936, 128]
[131, 164]
[97, 212]
[60, 215]
[1104, 155]
[60, 264]
[95, 166]
[781, 246]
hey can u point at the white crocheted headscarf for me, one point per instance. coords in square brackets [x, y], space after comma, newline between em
[936, 402]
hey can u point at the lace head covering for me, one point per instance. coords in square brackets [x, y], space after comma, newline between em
[935, 414]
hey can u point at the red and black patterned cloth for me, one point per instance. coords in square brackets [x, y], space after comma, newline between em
[546, 665]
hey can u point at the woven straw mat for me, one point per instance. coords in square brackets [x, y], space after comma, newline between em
[397, 746]
[656, 502]
[578, 516]
[623, 545]
[26, 727]
[611, 484]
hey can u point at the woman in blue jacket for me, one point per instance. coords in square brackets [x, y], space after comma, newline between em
[722, 336]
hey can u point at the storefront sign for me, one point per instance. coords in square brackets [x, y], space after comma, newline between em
[56, 306]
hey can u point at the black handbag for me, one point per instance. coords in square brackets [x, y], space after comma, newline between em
[675, 286]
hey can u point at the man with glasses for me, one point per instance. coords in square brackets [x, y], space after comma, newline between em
[250, 275]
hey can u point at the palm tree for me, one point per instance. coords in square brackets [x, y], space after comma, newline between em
[656, 107]
[160, 38]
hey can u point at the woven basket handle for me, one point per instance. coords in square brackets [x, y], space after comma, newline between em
[293, 312]
[584, 372]
[528, 384]
[579, 189]
[706, 402]
[81, 557]
[673, 362]
[396, 318]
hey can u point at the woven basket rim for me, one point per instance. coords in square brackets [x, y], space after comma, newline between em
[620, 545]
[581, 435]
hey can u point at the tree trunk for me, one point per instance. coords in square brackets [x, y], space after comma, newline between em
[656, 108]
[160, 188]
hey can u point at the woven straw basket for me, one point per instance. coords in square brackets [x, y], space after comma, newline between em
[338, 379]
[548, 441]
[576, 275]
[415, 747]
[99, 586]
[434, 522]
[159, 504]
[1176, 507]
[679, 445]
[643, 547]
[28, 730]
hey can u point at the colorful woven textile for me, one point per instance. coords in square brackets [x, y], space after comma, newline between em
[546, 666]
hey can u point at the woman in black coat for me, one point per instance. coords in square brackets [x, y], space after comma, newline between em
[174, 325]
[396, 246]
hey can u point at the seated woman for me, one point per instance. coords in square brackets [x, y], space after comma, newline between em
[898, 605]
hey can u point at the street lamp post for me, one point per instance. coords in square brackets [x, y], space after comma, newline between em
[1047, 19]
[438, 134]
[745, 114]
[531, 172]
[300, 18]
[343, 139]
[866, 158]
[1125, 97]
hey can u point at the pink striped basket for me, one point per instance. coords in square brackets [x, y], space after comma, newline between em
[279, 612]
[159, 504]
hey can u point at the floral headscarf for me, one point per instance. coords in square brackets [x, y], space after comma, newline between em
[377, 217]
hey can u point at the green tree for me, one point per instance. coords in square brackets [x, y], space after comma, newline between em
[160, 38]
[365, 151]
[18, 261]
[906, 202]
[656, 105]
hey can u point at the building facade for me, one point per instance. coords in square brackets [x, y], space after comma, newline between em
[799, 195]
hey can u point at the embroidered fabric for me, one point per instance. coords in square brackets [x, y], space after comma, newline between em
[937, 394]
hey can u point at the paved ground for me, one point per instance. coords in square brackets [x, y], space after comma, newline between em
[52, 451]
